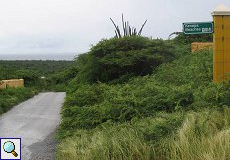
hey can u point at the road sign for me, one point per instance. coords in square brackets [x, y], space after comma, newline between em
[198, 27]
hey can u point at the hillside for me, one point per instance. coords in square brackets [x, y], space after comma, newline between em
[172, 112]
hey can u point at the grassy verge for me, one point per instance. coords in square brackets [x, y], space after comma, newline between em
[200, 135]
[133, 140]
[204, 135]
[11, 96]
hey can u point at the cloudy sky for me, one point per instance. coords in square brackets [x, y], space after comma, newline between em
[72, 26]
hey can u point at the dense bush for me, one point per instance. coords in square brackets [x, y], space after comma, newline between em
[113, 58]
[11, 96]
[42, 68]
[195, 70]
[91, 105]
[59, 81]
[183, 84]
[174, 113]
[63, 77]
[190, 38]
[30, 77]
[44, 75]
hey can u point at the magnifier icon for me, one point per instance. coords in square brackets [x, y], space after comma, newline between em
[9, 147]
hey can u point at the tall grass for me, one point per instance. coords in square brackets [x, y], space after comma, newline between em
[127, 141]
[104, 145]
[202, 136]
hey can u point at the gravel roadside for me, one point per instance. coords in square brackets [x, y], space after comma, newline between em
[44, 150]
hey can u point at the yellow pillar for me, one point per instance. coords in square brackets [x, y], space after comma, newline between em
[221, 44]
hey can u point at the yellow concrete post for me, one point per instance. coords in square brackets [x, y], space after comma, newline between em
[13, 83]
[221, 43]
[2, 85]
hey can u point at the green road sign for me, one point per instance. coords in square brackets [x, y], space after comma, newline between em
[198, 27]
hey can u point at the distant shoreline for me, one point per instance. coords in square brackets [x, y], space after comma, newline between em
[43, 57]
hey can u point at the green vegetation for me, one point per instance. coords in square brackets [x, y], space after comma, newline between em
[59, 80]
[31, 72]
[43, 75]
[9, 69]
[122, 58]
[128, 31]
[202, 135]
[166, 108]
[188, 39]
[11, 96]
[136, 98]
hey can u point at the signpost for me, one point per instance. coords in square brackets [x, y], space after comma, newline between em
[198, 27]
[221, 40]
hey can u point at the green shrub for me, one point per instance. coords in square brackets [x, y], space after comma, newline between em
[194, 69]
[12, 96]
[183, 84]
[92, 105]
[182, 38]
[63, 77]
[111, 59]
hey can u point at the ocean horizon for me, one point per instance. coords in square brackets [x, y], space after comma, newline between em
[56, 57]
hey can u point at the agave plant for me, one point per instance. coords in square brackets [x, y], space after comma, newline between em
[127, 30]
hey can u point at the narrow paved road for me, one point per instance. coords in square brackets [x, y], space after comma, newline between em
[34, 121]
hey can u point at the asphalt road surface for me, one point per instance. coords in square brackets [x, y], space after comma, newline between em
[35, 121]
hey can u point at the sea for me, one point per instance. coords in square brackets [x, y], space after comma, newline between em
[55, 57]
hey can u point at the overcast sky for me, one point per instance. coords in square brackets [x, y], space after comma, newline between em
[72, 26]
